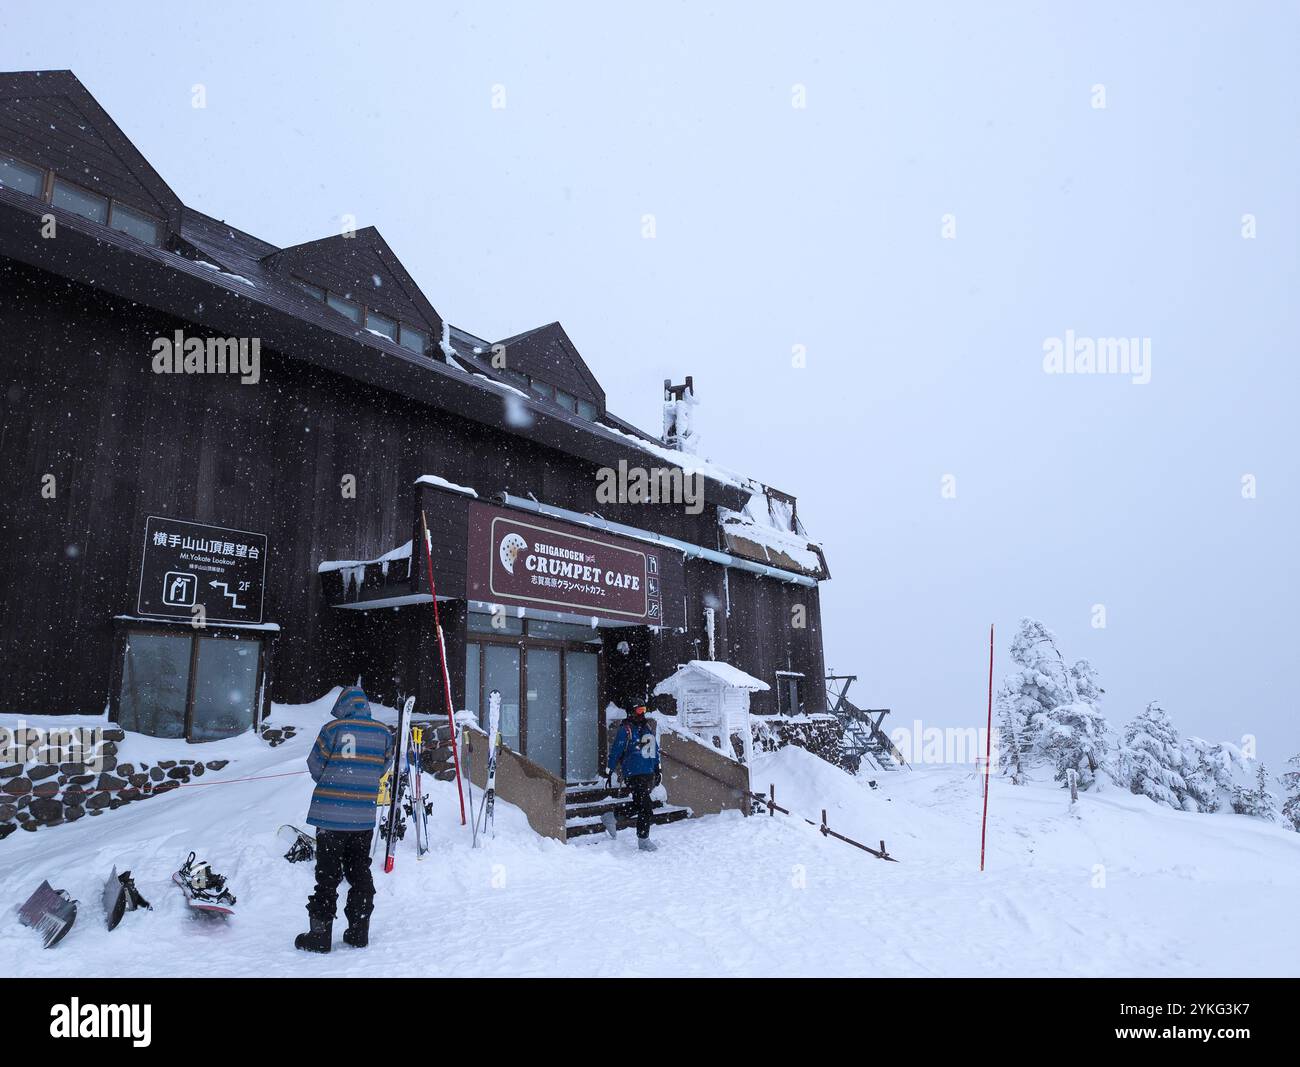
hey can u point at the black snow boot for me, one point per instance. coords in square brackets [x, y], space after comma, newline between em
[358, 915]
[358, 933]
[318, 939]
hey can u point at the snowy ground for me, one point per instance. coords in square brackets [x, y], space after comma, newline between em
[1183, 894]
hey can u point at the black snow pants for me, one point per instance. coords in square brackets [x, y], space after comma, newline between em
[342, 854]
[640, 804]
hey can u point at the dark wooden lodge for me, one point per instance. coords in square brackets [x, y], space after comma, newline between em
[287, 508]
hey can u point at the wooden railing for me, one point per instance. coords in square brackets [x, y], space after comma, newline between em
[824, 829]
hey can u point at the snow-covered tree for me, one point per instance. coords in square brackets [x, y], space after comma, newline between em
[1086, 687]
[1291, 806]
[1075, 737]
[1040, 682]
[1012, 737]
[1151, 761]
[1043, 678]
[1212, 771]
[1260, 801]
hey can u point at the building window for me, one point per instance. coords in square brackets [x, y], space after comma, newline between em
[563, 631]
[20, 176]
[481, 623]
[587, 410]
[94, 206]
[135, 224]
[344, 307]
[566, 400]
[413, 339]
[80, 201]
[313, 291]
[541, 389]
[788, 694]
[381, 324]
[199, 687]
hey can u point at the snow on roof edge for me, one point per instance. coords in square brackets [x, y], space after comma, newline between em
[442, 483]
[723, 672]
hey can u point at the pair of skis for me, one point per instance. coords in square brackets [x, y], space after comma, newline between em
[405, 784]
[485, 811]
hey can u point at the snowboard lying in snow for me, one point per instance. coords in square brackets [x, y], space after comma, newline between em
[204, 889]
[50, 912]
[121, 896]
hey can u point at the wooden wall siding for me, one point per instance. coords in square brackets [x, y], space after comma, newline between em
[79, 151]
[83, 404]
[448, 517]
[283, 315]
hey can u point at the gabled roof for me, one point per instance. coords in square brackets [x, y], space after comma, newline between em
[361, 267]
[547, 353]
[50, 119]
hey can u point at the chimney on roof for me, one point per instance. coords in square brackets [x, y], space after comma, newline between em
[679, 416]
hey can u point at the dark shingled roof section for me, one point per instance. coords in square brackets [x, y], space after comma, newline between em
[199, 238]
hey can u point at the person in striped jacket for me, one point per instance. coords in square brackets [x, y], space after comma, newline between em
[350, 756]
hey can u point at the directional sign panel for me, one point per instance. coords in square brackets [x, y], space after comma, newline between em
[188, 564]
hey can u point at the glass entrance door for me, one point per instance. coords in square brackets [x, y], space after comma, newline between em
[501, 672]
[544, 725]
[548, 674]
[582, 713]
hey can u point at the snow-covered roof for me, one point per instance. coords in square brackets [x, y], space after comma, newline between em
[722, 672]
[780, 546]
[400, 552]
[442, 483]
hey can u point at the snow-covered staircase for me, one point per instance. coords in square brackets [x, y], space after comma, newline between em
[586, 802]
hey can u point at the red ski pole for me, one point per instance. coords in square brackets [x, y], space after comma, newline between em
[988, 745]
[442, 655]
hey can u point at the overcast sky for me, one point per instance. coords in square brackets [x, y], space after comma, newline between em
[824, 226]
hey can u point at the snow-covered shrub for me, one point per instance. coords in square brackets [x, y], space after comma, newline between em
[1152, 762]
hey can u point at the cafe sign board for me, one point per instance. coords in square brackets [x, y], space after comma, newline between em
[190, 564]
[530, 561]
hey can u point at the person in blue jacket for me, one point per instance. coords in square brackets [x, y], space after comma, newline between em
[634, 756]
[349, 758]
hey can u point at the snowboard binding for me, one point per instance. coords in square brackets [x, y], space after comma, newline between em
[203, 886]
[302, 847]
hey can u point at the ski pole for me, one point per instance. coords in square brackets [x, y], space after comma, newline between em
[442, 651]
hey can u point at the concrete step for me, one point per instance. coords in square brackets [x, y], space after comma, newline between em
[588, 796]
[664, 815]
[598, 806]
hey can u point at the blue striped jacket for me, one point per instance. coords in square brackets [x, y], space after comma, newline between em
[350, 756]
